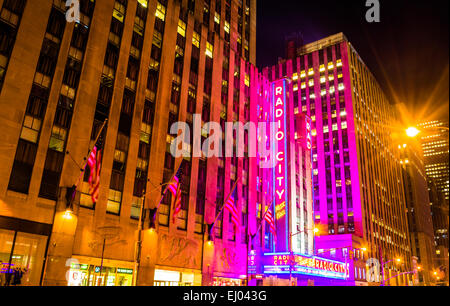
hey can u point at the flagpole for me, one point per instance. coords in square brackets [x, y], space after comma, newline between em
[234, 186]
[44, 270]
[262, 218]
[165, 190]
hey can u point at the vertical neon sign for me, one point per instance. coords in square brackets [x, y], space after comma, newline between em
[280, 169]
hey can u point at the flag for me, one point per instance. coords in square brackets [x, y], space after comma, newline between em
[230, 206]
[268, 217]
[175, 188]
[94, 162]
[176, 206]
[174, 183]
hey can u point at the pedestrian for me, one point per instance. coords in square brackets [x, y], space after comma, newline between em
[2, 275]
[18, 273]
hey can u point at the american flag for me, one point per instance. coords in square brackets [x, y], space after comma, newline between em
[174, 183]
[176, 206]
[229, 205]
[268, 217]
[175, 189]
[94, 162]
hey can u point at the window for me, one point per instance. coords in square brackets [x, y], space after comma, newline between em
[160, 11]
[114, 199]
[181, 28]
[57, 139]
[209, 50]
[31, 128]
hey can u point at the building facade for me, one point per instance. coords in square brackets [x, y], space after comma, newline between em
[142, 65]
[357, 178]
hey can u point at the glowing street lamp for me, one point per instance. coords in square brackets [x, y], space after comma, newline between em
[412, 132]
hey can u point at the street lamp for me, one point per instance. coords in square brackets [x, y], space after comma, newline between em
[412, 132]
[398, 260]
[315, 231]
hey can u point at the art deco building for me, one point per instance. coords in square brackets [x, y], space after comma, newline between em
[142, 65]
[357, 175]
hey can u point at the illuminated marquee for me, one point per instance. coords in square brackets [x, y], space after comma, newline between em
[303, 264]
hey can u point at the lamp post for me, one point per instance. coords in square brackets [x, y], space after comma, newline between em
[382, 264]
[139, 241]
[315, 230]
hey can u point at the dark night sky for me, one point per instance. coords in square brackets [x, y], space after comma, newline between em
[408, 51]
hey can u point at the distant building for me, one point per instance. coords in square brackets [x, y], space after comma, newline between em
[418, 210]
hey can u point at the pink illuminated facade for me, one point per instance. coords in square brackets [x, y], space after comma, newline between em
[356, 171]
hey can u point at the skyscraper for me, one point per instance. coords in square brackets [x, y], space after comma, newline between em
[434, 139]
[143, 65]
[419, 214]
[357, 178]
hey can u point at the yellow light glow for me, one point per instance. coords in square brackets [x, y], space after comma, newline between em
[364, 249]
[412, 132]
[67, 214]
[316, 230]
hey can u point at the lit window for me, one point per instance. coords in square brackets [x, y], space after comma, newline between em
[338, 63]
[196, 39]
[341, 86]
[161, 11]
[217, 17]
[311, 82]
[181, 28]
[325, 129]
[303, 85]
[330, 77]
[322, 80]
[209, 50]
[322, 68]
[303, 74]
[143, 3]
[295, 76]
[343, 124]
[311, 71]
[330, 66]
[334, 127]
[295, 88]
[226, 27]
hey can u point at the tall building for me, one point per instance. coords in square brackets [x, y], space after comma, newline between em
[143, 65]
[419, 211]
[434, 139]
[357, 175]
[440, 217]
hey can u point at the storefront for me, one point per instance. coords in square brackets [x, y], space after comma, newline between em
[226, 281]
[22, 251]
[88, 271]
[175, 277]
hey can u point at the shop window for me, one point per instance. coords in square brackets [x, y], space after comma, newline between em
[22, 256]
